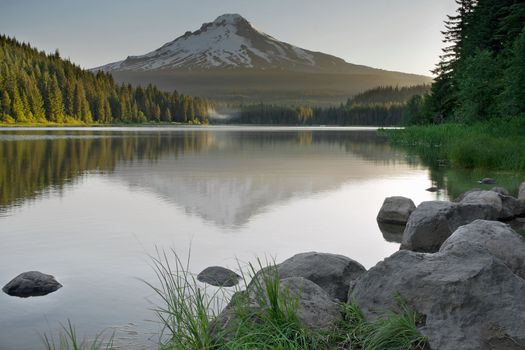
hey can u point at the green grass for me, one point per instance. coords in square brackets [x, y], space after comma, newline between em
[68, 339]
[493, 145]
[394, 330]
[265, 316]
[185, 310]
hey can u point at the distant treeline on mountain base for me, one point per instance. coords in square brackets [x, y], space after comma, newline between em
[382, 106]
[40, 88]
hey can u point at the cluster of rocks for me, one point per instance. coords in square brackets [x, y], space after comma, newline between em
[431, 223]
[459, 267]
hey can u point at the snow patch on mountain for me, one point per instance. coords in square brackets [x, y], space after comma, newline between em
[228, 42]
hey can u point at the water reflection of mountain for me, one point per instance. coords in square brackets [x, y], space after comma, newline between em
[221, 175]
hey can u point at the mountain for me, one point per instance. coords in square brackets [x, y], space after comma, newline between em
[230, 59]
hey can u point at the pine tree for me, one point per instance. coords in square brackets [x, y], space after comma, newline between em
[54, 101]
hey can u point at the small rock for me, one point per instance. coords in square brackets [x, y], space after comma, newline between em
[521, 193]
[218, 276]
[432, 189]
[487, 181]
[500, 190]
[396, 210]
[511, 207]
[31, 284]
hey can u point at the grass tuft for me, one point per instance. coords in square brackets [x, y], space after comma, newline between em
[186, 308]
[68, 340]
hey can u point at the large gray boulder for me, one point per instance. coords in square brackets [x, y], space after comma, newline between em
[481, 205]
[510, 206]
[470, 299]
[332, 272]
[434, 221]
[429, 226]
[396, 210]
[31, 284]
[498, 238]
[218, 276]
[316, 310]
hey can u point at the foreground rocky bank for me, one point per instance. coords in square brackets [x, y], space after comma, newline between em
[460, 269]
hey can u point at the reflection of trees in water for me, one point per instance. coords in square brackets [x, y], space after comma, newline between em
[456, 181]
[41, 160]
[33, 162]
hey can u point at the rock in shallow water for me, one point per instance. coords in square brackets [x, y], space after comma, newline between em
[396, 210]
[31, 284]
[487, 181]
[434, 221]
[218, 276]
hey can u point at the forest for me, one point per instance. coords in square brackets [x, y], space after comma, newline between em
[41, 88]
[381, 106]
[481, 73]
[474, 115]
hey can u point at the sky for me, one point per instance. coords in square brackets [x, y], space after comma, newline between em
[400, 35]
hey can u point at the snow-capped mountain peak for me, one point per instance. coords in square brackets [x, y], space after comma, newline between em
[229, 42]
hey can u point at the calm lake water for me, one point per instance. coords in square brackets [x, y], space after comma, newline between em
[89, 205]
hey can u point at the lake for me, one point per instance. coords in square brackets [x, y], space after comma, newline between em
[90, 205]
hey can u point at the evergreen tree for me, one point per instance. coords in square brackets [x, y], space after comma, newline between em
[40, 87]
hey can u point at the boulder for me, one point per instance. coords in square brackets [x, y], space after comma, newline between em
[429, 226]
[498, 238]
[521, 193]
[461, 196]
[396, 210]
[480, 205]
[469, 298]
[31, 284]
[391, 232]
[316, 310]
[487, 181]
[434, 221]
[511, 207]
[218, 276]
[332, 272]
[500, 190]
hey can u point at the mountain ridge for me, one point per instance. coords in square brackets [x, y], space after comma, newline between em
[225, 57]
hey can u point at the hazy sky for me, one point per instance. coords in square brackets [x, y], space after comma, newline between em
[401, 35]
